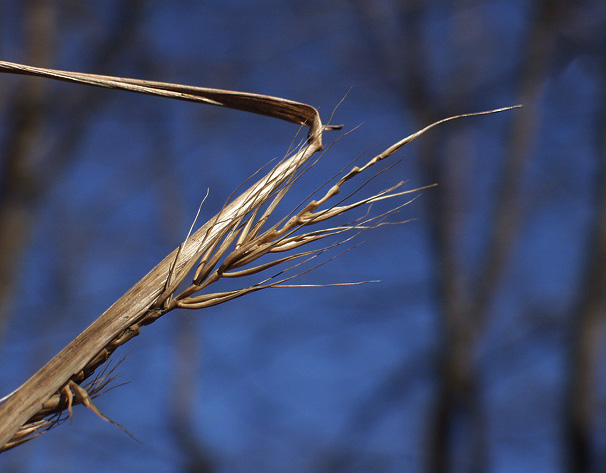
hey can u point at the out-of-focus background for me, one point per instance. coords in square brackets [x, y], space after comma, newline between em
[482, 349]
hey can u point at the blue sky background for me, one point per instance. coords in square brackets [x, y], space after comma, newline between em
[323, 379]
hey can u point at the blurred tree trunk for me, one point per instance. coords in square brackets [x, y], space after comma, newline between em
[30, 166]
[587, 330]
[464, 303]
[197, 456]
[21, 183]
[465, 310]
[184, 402]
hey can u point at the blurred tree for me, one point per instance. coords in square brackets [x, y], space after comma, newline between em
[586, 333]
[466, 295]
[21, 184]
[31, 162]
[430, 59]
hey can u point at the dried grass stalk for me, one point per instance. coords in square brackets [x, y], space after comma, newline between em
[227, 246]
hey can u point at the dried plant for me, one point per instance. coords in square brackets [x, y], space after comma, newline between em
[229, 245]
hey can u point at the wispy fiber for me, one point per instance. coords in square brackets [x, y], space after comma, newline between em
[229, 245]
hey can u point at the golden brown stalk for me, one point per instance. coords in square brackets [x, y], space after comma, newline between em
[227, 246]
